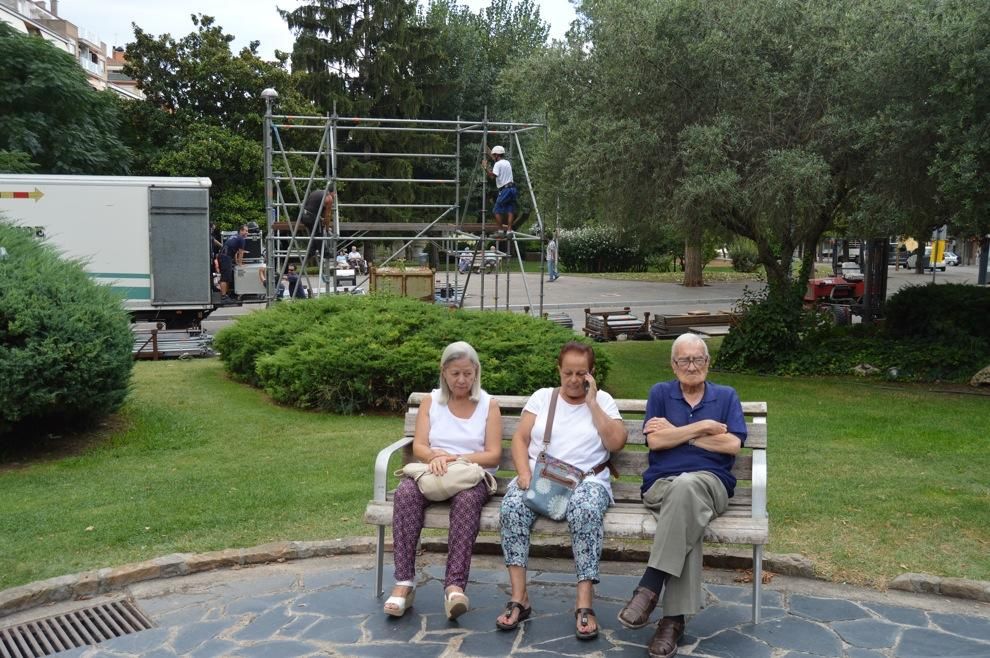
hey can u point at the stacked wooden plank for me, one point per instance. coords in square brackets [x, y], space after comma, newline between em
[561, 318]
[609, 325]
[672, 326]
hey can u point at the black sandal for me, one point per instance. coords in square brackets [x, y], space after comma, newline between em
[581, 615]
[524, 614]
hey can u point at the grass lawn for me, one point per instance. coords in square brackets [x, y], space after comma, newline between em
[868, 480]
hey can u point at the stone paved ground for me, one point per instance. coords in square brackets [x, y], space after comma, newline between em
[326, 607]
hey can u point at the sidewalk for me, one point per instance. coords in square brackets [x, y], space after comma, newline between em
[327, 607]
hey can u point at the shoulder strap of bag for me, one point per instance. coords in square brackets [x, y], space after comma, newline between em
[550, 414]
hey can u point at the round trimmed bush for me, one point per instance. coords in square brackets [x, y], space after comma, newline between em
[347, 354]
[65, 342]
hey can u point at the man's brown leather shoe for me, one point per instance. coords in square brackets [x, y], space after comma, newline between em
[664, 642]
[637, 612]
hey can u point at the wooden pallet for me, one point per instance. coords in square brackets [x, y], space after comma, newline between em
[672, 326]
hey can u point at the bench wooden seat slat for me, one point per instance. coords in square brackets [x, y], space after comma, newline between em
[744, 522]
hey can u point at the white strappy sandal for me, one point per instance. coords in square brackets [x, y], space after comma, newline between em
[455, 604]
[401, 603]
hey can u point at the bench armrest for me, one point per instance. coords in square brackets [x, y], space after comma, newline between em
[381, 466]
[759, 484]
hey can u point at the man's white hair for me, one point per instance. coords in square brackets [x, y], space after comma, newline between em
[687, 339]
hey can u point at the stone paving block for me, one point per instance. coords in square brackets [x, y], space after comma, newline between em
[732, 644]
[280, 648]
[383, 628]
[331, 630]
[715, 620]
[260, 604]
[263, 626]
[744, 595]
[171, 602]
[618, 588]
[215, 649]
[138, 643]
[299, 624]
[856, 652]
[87, 584]
[412, 650]
[160, 653]
[868, 633]
[362, 579]
[341, 603]
[493, 643]
[191, 636]
[797, 635]
[822, 609]
[924, 643]
[899, 614]
[182, 616]
[974, 627]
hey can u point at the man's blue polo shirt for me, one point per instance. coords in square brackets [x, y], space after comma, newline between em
[720, 403]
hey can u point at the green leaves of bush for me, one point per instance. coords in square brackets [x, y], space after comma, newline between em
[347, 353]
[65, 342]
[598, 248]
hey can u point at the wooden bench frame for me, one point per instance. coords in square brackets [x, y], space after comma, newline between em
[744, 522]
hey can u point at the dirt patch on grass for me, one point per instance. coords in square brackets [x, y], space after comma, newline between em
[28, 448]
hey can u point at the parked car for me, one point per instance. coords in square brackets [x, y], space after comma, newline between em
[951, 258]
[913, 261]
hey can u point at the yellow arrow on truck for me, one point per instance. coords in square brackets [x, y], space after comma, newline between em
[36, 195]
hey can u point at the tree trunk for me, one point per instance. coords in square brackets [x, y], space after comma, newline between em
[692, 259]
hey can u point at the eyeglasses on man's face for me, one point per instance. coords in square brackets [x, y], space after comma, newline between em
[685, 361]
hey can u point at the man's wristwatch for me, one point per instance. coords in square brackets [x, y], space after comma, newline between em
[691, 441]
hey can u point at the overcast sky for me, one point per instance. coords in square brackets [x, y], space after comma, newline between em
[245, 19]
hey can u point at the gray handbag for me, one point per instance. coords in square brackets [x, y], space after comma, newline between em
[553, 480]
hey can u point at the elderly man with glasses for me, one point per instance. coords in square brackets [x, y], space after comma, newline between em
[694, 430]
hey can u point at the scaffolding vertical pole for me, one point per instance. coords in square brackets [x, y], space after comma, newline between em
[269, 95]
[484, 206]
[536, 210]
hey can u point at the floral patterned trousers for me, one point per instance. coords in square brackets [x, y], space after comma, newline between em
[585, 512]
[407, 524]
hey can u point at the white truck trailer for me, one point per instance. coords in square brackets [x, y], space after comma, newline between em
[147, 238]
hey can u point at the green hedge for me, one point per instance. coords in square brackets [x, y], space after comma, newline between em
[348, 353]
[65, 342]
[931, 333]
[598, 248]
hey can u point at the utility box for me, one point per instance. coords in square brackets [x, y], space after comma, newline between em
[416, 282]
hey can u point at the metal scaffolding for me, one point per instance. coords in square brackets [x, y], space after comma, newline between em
[304, 154]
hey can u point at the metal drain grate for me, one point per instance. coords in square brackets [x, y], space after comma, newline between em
[98, 623]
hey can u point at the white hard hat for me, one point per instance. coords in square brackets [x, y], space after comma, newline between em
[498, 150]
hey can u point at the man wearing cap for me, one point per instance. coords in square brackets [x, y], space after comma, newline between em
[505, 202]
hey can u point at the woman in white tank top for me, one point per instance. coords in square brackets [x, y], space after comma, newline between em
[458, 420]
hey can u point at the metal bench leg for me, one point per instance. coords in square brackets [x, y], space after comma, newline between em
[757, 580]
[380, 561]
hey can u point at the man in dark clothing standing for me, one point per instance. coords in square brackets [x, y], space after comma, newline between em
[694, 430]
[231, 254]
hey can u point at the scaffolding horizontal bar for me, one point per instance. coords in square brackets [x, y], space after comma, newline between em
[322, 126]
[398, 180]
[357, 154]
[421, 122]
[394, 205]
[396, 129]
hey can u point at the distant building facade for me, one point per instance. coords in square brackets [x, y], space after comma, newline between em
[32, 17]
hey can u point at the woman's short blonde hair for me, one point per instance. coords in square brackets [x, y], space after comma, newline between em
[453, 352]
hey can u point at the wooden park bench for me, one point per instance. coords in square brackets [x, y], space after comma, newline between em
[672, 326]
[744, 522]
[609, 325]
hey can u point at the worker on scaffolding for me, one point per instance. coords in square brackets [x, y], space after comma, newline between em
[505, 202]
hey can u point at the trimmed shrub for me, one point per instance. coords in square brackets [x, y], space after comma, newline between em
[922, 340]
[744, 256]
[598, 248]
[65, 342]
[347, 354]
[939, 312]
